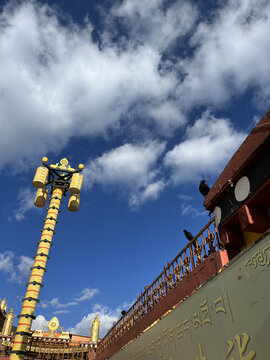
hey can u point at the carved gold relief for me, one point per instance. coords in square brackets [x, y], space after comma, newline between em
[261, 258]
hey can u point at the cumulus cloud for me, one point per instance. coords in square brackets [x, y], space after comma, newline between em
[230, 55]
[55, 303]
[25, 202]
[61, 312]
[151, 22]
[185, 197]
[208, 144]
[39, 322]
[106, 316]
[86, 294]
[7, 263]
[57, 82]
[24, 267]
[130, 167]
[17, 268]
[188, 209]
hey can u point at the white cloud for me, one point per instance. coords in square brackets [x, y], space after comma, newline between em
[255, 120]
[7, 263]
[24, 267]
[55, 303]
[209, 143]
[130, 167]
[106, 317]
[61, 312]
[150, 192]
[188, 209]
[16, 268]
[86, 294]
[44, 304]
[231, 53]
[39, 322]
[167, 115]
[185, 197]
[151, 22]
[56, 82]
[25, 201]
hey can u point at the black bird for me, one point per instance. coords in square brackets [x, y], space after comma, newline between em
[123, 312]
[189, 236]
[204, 188]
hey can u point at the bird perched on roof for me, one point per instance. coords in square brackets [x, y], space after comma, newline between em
[123, 312]
[204, 188]
[189, 236]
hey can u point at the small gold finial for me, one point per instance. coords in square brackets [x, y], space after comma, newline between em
[45, 160]
[81, 166]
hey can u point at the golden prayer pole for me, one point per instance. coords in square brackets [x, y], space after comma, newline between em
[59, 182]
[95, 330]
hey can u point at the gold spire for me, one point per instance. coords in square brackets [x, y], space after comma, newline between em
[95, 330]
[8, 323]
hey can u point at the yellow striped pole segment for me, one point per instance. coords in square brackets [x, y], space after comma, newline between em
[35, 283]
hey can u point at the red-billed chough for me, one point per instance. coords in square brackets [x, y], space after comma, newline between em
[204, 188]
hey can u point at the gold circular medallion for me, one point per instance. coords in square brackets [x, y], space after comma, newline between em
[64, 162]
[53, 324]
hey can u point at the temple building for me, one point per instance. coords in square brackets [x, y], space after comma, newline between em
[54, 343]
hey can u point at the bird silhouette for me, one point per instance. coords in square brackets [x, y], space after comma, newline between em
[204, 188]
[189, 236]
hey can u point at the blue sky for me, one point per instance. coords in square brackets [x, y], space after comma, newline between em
[152, 96]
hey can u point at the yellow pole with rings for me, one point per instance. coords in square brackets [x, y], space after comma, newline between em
[59, 177]
[35, 283]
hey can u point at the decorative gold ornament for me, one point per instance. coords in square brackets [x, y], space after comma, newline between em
[209, 241]
[37, 333]
[3, 305]
[53, 325]
[45, 159]
[64, 165]
[8, 323]
[64, 334]
[95, 330]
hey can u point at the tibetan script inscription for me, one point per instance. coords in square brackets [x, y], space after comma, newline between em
[201, 356]
[261, 258]
[242, 341]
